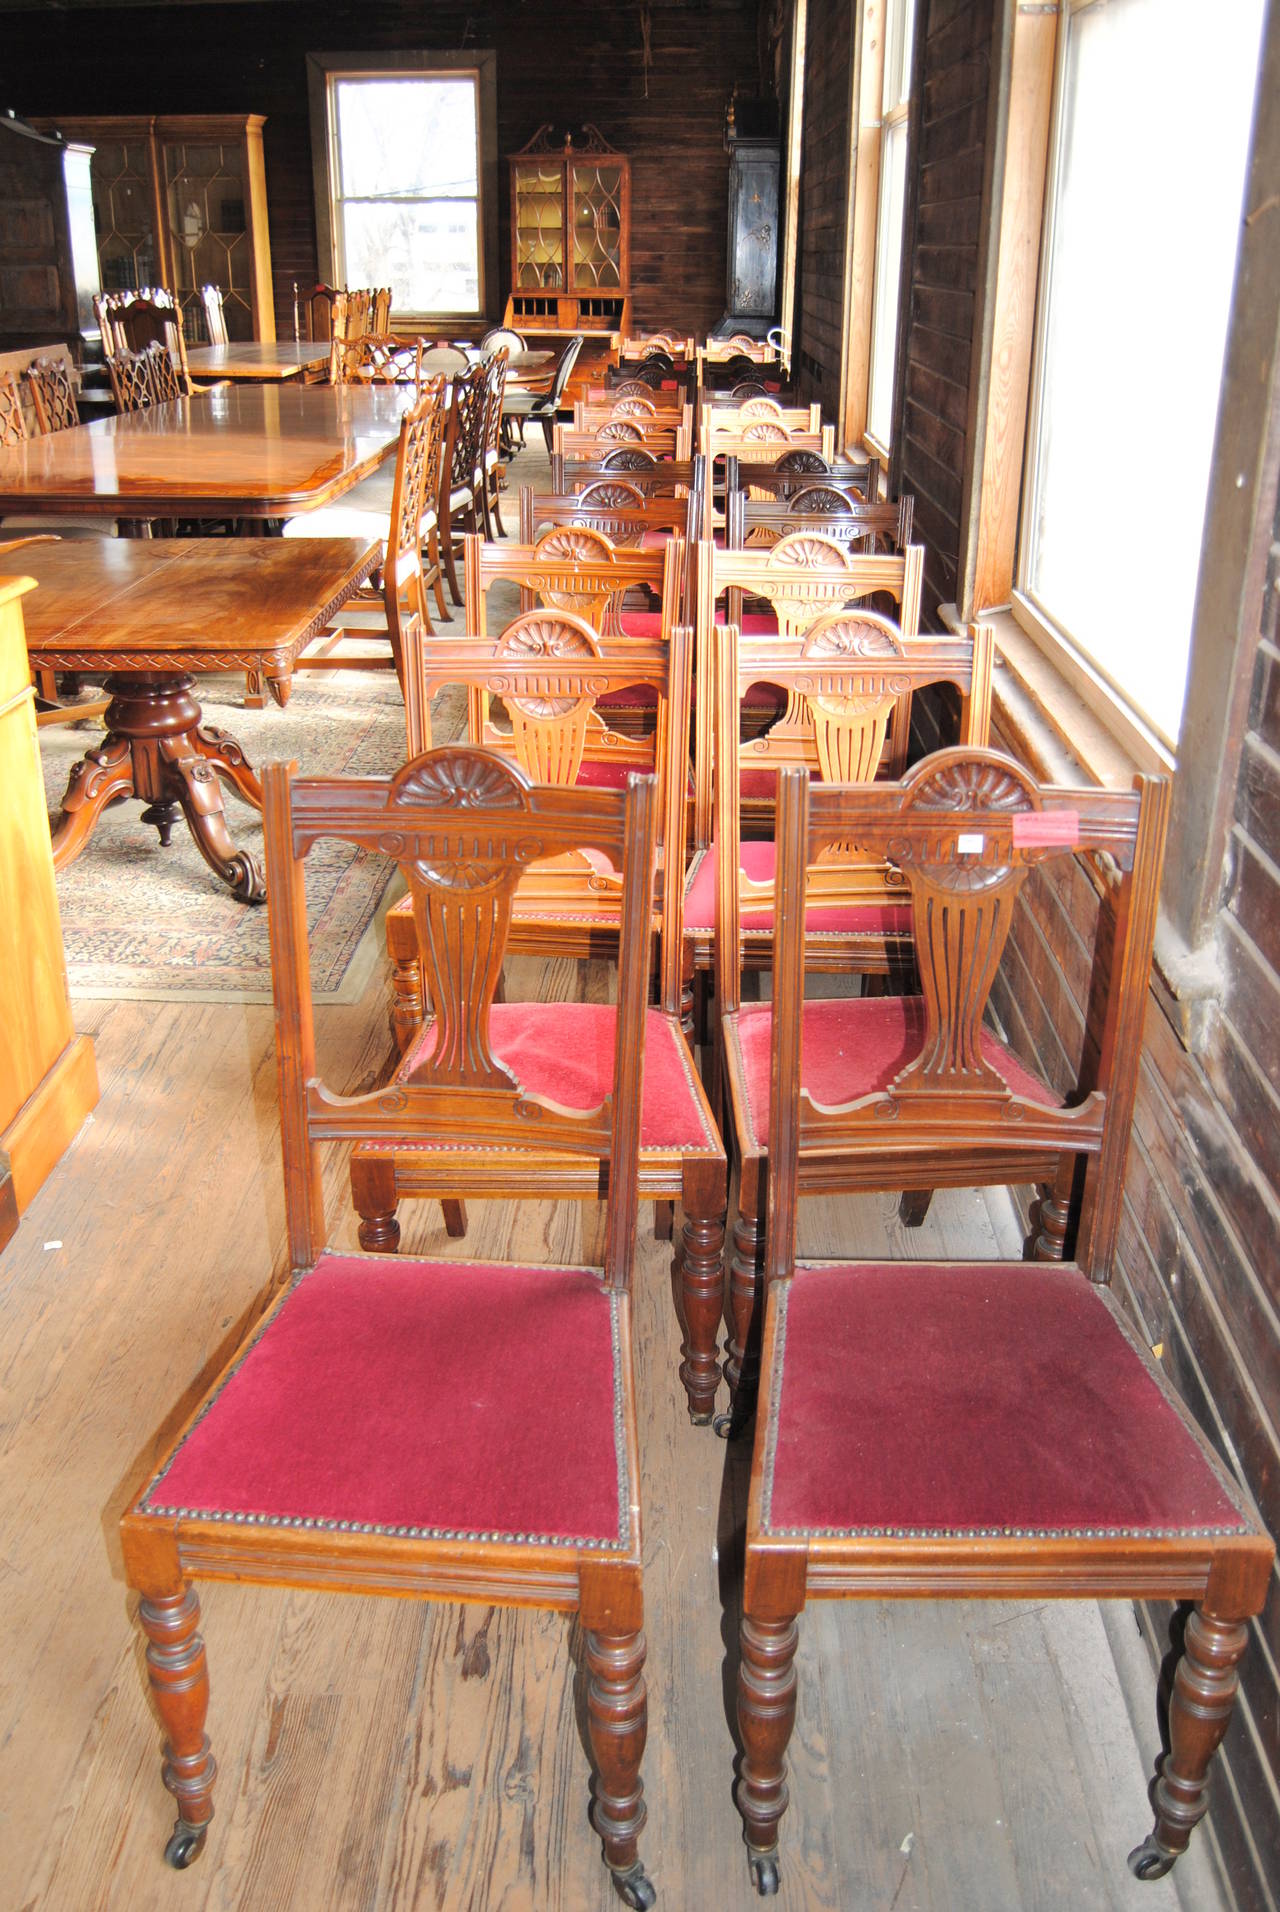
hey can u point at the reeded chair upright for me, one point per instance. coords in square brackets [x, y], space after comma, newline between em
[974, 1429]
[445, 1430]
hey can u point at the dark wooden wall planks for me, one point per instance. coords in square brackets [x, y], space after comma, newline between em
[824, 190]
[567, 63]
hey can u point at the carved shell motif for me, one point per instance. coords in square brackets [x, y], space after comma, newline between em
[612, 496]
[801, 550]
[534, 636]
[574, 544]
[459, 779]
[629, 458]
[802, 461]
[972, 785]
[818, 498]
[766, 431]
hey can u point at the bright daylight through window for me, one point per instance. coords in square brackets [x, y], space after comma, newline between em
[406, 188]
[1154, 108]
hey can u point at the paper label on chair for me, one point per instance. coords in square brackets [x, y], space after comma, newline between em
[969, 843]
[1035, 829]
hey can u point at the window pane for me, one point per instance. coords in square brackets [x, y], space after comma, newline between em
[428, 252]
[414, 137]
[1157, 106]
[884, 318]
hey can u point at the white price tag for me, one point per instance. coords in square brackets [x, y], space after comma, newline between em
[970, 843]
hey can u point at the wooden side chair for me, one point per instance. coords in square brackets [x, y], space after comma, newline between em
[142, 379]
[53, 394]
[667, 435]
[670, 476]
[13, 423]
[215, 316]
[376, 358]
[820, 506]
[796, 470]
[525, 405]
[492, 466]
[397, 506]
[156, 320]
[550, 668]
[58, 393]
[928, 1431]
[462, 468]
[444, 1430]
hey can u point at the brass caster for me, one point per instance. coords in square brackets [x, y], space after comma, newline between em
[1150, 1860]
[185, 1845]
[635, 1888]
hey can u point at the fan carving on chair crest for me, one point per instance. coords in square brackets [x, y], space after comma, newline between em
[535, 635]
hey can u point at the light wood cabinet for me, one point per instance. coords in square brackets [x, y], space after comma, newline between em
[48, 1077]
[182, 202]
[571, 245]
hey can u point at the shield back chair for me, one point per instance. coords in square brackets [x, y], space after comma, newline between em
[492, 466]
[828, 509]
[401, 514]
[366, 1436]
[215, 315]
[550, 667]
[520, 406]
[972, 1429]
[462, 468]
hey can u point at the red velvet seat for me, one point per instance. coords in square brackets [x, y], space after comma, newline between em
[428, 1398]
[854, 1046]
[756, 860]
[564, 1051]
[973, 1398]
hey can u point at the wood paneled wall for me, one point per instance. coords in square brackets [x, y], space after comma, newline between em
[940, 269]
[824, 191]
[564, 63]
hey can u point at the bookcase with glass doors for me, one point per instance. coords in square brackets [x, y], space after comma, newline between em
[571, 245]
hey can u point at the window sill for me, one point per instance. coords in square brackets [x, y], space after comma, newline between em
[1061, 738]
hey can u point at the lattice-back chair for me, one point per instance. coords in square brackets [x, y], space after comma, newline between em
[215, 316]
[376, 359]
[362, 1435]
[144, 321]
[53, 394]
[832, 511]
[396, 504]
[933, 1430]
[13, 423]
[142, 379]
[492, 468]
[462, 468]
[551, 669]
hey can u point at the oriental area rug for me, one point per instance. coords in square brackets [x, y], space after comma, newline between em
[143, 922]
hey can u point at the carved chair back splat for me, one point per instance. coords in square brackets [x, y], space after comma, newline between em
[440, 1366]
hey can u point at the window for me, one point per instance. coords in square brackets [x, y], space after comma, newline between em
[402, 141]
[882, 101]
[1152, 119]
[895, 104]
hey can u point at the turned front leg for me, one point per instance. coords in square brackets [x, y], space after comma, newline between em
[699, 1268]
[179, 1677]
[746, 1270]
[766, 1716]
[1204, 1692]
[617, 1721]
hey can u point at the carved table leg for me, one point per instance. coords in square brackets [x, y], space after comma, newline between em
[766, 1715]
[197, 789]
[179, 1677]
[1204, 1692]
[700, 1268]
[102, 773]
[617, 1721]
[221, 749]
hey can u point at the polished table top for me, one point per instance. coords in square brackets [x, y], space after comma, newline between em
[245, 451]
[182, 604]
[258, 358]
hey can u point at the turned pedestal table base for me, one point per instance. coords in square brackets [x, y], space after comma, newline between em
[157, 750]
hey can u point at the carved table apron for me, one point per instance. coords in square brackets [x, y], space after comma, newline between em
[154, 615]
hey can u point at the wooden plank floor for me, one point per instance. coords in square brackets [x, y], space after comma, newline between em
[380, 1753]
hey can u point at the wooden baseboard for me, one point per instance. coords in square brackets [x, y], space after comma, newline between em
[8, 1203]
[50, 1117]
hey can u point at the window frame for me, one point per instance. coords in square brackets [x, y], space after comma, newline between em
[481, 64]
[882, 100]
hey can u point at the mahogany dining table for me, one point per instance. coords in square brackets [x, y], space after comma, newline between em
[263, 359]
[262, 451]
[155, 614]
